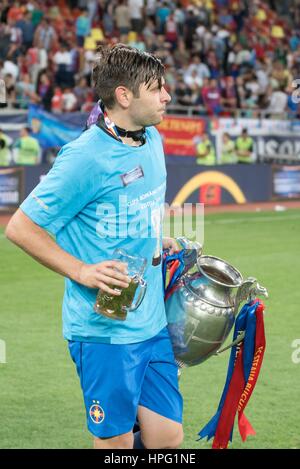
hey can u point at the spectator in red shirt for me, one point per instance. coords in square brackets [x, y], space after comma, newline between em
[57, 101]
[229, 92]
[171, 31]
[15, 12]
[211, 96]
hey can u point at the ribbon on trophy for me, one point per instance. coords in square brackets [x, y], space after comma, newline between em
[172, 269]
[243, 370]
[174, 266]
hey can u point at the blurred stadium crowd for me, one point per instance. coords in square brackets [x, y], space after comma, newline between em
[220, 55]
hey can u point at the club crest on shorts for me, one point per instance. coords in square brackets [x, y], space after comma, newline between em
[96, 412]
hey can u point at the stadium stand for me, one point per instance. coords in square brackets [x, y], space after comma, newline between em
[222, 57]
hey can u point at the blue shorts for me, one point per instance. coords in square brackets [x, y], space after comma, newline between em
[116, 379]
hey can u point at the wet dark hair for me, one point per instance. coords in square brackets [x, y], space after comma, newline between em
[122, 65]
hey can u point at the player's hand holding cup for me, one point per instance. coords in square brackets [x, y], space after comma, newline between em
[115, 302]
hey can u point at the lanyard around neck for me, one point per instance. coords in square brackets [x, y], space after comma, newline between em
[111, 127]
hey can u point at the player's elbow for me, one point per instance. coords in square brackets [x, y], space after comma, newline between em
[14, 228]
[11, 232]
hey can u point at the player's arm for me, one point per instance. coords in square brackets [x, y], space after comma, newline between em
[34, 240]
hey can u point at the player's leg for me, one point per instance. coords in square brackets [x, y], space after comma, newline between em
[111, 378]
[160, 404]
[124, 441]
[159, 432]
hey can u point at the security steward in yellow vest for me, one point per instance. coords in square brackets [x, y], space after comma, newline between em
[228, 154]
[27, 149]
[244, 148]
[206, 152]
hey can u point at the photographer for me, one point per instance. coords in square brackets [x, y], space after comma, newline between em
[5, 153]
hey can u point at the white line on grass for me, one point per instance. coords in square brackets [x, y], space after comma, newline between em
[250, 219]
[236, 220]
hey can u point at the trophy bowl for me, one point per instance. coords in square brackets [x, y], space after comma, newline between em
[202, 308]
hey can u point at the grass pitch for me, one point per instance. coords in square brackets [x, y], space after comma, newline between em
[40, 399]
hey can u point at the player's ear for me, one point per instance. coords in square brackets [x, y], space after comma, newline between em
[123, 96]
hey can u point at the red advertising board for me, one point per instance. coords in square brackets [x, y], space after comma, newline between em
[180, 134]
[210, 194]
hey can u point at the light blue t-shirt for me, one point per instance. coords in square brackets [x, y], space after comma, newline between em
[100, 195]
[83, 26]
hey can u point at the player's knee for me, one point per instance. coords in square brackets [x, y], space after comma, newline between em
[176, 439]
[169, 440]
[124, 441]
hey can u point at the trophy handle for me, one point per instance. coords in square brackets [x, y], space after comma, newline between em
[187, 244]
[143, 287]
[240, 337]
[248, 291]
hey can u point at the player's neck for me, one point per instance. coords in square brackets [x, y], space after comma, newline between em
[122, 120]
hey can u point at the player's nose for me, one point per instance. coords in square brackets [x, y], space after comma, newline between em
[166, 98]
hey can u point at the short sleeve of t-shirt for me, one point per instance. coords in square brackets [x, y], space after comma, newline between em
[68, 187]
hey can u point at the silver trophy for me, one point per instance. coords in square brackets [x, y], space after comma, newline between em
[202, 309]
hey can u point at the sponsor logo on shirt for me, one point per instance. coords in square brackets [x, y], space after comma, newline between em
[133, 175]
